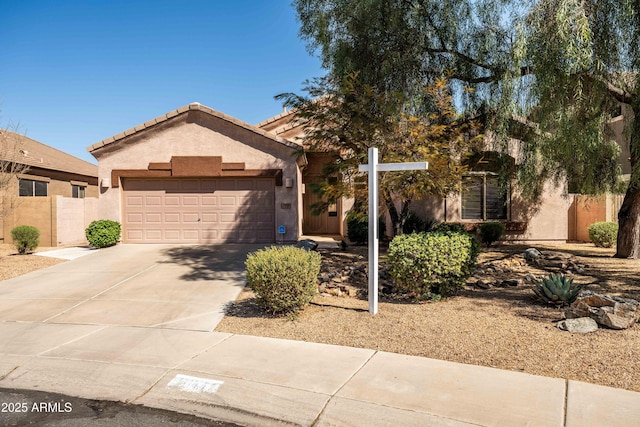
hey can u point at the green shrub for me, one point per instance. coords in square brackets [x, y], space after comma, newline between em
[490, 232]
[454, 228]
[284, 279]
[603, 234]
[432, 264]
[103, 233]
[358, 227]
[450, 227]
[26, 238]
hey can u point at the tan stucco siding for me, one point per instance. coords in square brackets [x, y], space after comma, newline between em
[546, 221]
[209, 137]
[41, 212]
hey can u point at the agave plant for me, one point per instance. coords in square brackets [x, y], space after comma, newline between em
[557, 289]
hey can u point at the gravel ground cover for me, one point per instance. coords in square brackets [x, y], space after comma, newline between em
[13, 265]
[501, 327]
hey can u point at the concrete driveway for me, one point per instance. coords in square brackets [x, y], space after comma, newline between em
[159, 286]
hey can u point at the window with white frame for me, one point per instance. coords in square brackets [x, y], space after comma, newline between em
[32, 188]
[483, 198]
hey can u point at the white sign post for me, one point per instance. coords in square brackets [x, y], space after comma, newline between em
[372, 169]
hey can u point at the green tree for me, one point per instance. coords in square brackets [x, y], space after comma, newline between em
[561, 66]
[347, 117]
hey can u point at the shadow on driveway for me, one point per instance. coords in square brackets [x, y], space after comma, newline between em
[211, 262]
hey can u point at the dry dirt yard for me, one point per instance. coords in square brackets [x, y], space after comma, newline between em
[13, 265]
[501, 327]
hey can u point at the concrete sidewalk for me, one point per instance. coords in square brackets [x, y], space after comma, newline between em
[262, 381]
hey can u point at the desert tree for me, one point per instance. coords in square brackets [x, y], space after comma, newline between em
[561, 67]
[347, 117]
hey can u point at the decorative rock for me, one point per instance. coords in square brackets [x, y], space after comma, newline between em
[580, 325]
[510, 282]
[482, 284]
[612, 312]
[472, 281]
[307, 244]
[530, 278]
[323, 277]
[532, 254]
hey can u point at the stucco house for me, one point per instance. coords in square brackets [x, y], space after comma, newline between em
[57, 192]
[195, 175]
[559, 217]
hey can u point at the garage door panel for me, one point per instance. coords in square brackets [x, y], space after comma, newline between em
[171, 200]
[209, 200]
[190, 201]
[172, 218]
[227, 218]
[135, 218]
[153, 218]
[206, 211]
[209, 218]
[228, 201]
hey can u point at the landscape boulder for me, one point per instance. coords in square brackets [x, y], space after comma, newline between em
[609, 311]
[532, 254]
[580, 325]
[307, 244]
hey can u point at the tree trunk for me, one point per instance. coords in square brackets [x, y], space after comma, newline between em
[628, 245]
[397, 218]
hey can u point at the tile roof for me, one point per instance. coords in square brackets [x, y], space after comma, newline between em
[21, 149]
[195, 106]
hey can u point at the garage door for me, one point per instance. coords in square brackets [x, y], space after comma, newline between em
[214, 210]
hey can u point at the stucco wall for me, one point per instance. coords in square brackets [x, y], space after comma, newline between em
[41, 212]
[546, 221]
[199, 134]
[72, 217]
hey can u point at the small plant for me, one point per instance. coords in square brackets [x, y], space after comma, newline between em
[26, 238]
[557, 289]
[433, 264]
[284, 279]
[358, 227]
[603, 234]
[103, 233]
[490, 232]
[413, 224]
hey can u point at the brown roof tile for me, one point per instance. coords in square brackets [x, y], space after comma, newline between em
[20, 149]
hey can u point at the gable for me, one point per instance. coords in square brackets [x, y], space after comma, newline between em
[194, 113]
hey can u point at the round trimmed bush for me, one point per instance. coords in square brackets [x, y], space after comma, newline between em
[25, 238]
[432, 264]
[284, 279]
[490, 232]
[103, 233]
[603, 234]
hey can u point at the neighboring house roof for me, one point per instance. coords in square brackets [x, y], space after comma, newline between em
[20, 149]
[285, 126]
[184, 110]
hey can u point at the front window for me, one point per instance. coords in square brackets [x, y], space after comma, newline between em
[482, 198]
[32, 188]
[77, 191]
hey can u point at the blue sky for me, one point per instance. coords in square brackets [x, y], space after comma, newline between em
[75, 72]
